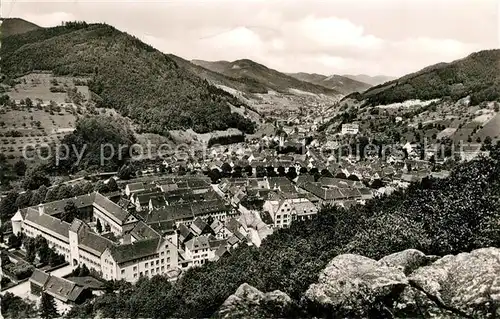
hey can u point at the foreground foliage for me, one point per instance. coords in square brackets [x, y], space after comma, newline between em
[436, 216]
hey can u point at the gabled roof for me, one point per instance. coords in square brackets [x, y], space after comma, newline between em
[94, 243]
[59, 288]
[134, 187]
[198, 243]
[39, 277]
[198, 226]
[48, 223]
[135, 250]
[184, 231]
[112, 210]
[142, 231]
[57, 207]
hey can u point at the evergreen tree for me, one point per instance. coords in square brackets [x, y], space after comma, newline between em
[98, 226]
[112, 185]
[48, 306]
[70, 212]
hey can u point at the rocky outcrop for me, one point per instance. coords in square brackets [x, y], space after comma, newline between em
[409, 284]
[249, 302]
[349, 278]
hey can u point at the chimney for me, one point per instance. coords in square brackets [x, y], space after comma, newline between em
[41, 209]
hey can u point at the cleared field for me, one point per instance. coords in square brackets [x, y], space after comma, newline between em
[38, 86]
[491, 129]
[34, 127]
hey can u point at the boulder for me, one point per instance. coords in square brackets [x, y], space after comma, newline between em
[249, 302]
[351, 281]
[468, 283]
[407, 260]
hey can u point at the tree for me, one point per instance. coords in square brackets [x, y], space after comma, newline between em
[84, 271]
[248, 170]
[29, 102]
[237, 173]
[270, 171]
[77, 190]
[125, 172]
[303, 170]
[87, 188]
[377, 183]
[292, 173]
[16, 308]
[214, 175]
[64, 191]
[35, 177]
[20, 168]
[15, 241]
[51, 194]
[24, 199]
[112, 185]
[98, 226]
[281, 171]
[100, 187]
[340, 175]
[8, 206]
[326, 173]
[353, 177]
[48, 306]
[70, 212]
[226, 169]
[38, 196]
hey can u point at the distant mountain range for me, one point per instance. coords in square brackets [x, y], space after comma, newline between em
[12, 26]
[476, 75]
[267, 79]
[372, 80]
[343, 84]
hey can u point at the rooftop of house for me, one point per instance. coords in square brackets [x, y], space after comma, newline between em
[143, 231]
[59, 288]
[198, 243]
[135, 250]
[52, 224]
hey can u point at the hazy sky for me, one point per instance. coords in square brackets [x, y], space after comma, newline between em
[391, 37]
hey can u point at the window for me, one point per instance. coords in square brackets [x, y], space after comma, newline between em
[162, 253]
[146, 265]
[123, 271]
[168, 259]
[135, 275]
[158, 269]
[162, 268]
[152, 263]
[135, 268]
[140, 274]
[146, 273]
[162, 260]
[157, 262]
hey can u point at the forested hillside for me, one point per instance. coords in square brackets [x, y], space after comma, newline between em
[476, 75]
[340, 83]
[438, 217]
[253, 73]
[126, 74]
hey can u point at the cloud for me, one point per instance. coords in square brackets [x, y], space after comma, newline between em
[390, 37]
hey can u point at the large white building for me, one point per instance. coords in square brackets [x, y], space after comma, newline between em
[141, 251]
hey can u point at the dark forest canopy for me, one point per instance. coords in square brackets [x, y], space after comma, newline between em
[438, 217]
[126, 74]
